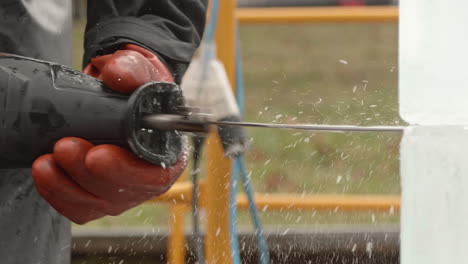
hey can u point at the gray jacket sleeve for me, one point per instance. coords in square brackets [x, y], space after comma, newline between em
[170, 28]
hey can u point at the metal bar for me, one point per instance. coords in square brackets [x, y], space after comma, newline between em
[176, 242]
[323, 202]
[317, 15]
[181, 193]
[216, 196]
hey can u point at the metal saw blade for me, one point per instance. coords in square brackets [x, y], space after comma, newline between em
[189, 124]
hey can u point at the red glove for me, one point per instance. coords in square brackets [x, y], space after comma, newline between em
[85, 182]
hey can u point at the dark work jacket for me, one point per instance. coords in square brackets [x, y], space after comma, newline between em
[31, 231]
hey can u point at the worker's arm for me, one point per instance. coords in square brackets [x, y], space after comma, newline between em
[128, 43]
[172, 29]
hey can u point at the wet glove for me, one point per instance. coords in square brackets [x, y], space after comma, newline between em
[85, 182]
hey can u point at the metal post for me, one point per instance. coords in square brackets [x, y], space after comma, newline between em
[178, 208]
[176, 244]
[219, 167]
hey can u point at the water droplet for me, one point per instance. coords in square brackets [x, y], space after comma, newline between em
[338, 179]
[369, 247]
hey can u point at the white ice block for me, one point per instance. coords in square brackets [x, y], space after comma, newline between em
[434, 61]
[434, 213]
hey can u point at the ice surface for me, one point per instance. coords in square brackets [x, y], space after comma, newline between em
[434, 214]
[434, 164]
[434, 61]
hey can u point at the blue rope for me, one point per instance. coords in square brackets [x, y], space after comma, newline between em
[208, 50]
[264, 257]
[239, 75]
[239, 166]
[210, 30]
[233, 216]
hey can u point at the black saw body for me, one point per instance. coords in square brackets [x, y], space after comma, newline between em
[42, 102]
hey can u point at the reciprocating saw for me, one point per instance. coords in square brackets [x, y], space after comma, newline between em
[42, 102]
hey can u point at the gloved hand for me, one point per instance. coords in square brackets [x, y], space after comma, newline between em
[129, 68]
[85, 182]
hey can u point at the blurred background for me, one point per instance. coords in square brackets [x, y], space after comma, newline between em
[343, 73]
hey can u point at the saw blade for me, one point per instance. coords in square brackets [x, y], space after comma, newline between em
[194, 124]
[312, 127]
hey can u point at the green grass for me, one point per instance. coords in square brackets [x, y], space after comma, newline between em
[321, 73]
[333, 74]
[78, 43]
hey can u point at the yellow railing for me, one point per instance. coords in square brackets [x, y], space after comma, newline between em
[317, 15]
[213, 191]
[181, 194]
